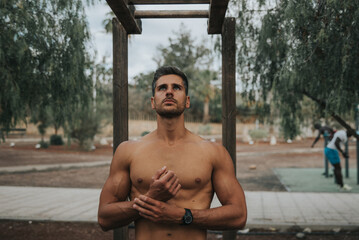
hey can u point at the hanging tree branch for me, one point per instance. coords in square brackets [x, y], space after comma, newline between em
[323, 105]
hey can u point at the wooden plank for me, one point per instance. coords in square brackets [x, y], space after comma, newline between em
[154, 2]
[172, 14]
[229, 96]
[229, 87]
[120, 97]
[125, 15]
[217, 12]
[120, 83]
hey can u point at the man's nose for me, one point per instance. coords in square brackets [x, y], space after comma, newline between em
[169, 94]
[169, 91]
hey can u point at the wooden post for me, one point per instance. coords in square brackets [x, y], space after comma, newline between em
[229, 96]
[357, 131]
[120, 97]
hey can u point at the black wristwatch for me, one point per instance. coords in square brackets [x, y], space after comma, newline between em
[187, 218]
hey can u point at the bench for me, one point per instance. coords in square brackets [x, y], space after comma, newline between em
[12, 131]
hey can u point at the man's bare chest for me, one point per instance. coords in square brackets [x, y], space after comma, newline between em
[192, 167]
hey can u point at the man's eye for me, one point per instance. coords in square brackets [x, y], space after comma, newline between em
[162, 88]
[177, 87]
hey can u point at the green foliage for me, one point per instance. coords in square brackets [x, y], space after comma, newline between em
[107, 23]
[44, 144]
[84, 126]
[42, 61]
[215, 106]
[258, 134]
[300, 48]
[56, 140]
[196, 61]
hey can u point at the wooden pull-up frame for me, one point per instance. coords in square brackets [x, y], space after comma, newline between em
[128, 21]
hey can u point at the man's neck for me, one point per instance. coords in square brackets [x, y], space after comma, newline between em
[171, 130]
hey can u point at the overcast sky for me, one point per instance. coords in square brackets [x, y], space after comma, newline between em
[142, 48]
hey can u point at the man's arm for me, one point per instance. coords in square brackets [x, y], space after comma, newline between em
[114, 209]
[316, 139]
[231, 215]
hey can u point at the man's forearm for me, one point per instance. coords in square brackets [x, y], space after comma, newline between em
[221, 218]
[230, 216]
[116, 214]
[316, 140]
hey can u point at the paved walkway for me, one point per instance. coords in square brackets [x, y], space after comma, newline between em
[53, 166]
[319, 211]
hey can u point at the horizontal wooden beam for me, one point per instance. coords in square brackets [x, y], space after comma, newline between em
[217, 12]
[154, 2]
[172, 14]
[125, 14]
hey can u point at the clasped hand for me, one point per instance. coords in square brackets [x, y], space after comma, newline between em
[157, 211]
[164, 186]
[153, 205]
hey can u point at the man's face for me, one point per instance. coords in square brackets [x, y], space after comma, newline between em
[170, 98]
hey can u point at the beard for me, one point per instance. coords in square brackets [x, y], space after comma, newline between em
[170, 113]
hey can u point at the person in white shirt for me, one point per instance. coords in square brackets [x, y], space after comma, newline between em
[331, 152]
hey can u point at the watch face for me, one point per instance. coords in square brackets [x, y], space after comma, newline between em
[188, 219]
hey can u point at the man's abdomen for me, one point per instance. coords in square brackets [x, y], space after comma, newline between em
[146, 230]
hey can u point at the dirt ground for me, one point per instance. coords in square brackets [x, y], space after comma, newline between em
[254, 170]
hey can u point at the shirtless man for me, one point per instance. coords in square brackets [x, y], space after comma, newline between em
[171, 175]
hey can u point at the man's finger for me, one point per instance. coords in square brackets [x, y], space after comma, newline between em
[173, 180]
[149, 201]
[177, 189]
[159, 173]
[143, 211]
[168, 176]
[174, 185]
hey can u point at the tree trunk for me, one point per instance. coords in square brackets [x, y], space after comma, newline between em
[206, 110]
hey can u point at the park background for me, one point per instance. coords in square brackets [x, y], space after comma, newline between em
[296, 65]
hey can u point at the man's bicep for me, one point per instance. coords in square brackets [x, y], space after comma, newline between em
[225, 183]
[116, 188]
[118, 183]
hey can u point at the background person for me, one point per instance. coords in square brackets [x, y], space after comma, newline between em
[331, 152]
[321, 131]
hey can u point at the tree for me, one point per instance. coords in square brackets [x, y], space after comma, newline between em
[301, 49]
[43, 60]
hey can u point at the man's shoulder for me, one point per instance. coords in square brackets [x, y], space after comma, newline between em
[126, 148]
[127, 144]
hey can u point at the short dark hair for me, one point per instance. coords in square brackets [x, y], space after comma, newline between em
[167, 70]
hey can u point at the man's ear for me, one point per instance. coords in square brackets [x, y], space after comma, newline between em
[153, 102]
[188, 102]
